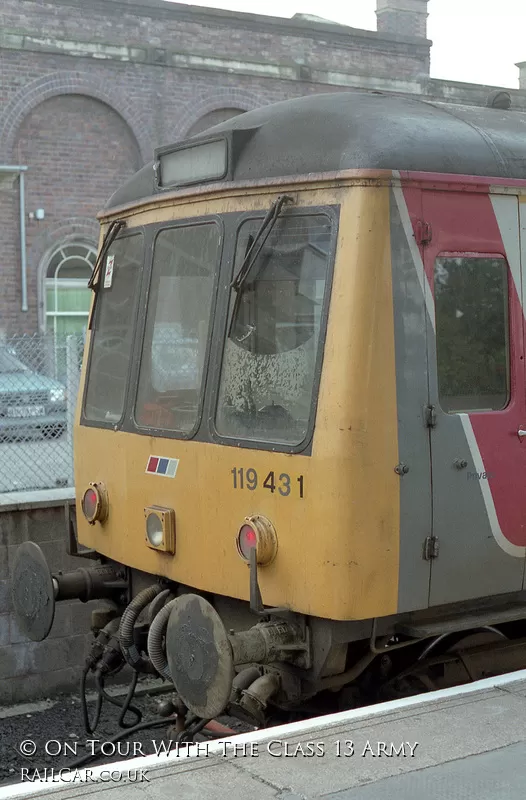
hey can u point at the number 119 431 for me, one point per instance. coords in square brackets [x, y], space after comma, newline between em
[282, 483]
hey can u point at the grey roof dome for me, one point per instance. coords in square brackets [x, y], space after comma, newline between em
[355, 130]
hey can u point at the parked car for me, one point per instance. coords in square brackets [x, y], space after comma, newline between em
[31, 405]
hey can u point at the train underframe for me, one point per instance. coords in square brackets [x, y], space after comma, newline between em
[260, 664]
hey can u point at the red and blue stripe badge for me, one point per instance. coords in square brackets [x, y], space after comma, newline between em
[157, 465]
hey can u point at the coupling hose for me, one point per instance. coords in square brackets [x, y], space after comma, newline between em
[128, 620]
[155, 640]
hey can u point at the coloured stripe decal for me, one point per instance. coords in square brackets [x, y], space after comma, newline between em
[158, 465]
[518, 551]
[415, 252]
[506, 221]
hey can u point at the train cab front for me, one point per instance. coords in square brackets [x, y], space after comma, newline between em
[220, 444]
[192, 450]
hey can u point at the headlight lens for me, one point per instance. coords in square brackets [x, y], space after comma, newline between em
[154, 530]
[160, 528]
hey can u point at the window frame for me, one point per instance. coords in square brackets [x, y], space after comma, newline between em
[157, 229]
[94, 318]
[332, 212]
[510, 339]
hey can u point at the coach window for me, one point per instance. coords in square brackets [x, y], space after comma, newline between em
[177, 326]
[112, 332]
[472, 340]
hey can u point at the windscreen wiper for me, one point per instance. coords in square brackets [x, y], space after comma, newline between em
[259, 240]
[111, 233]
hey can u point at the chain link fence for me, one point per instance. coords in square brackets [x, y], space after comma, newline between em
[39, 380]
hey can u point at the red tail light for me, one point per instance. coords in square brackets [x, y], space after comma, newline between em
[246, 540]
[257, 533]
[95, 503]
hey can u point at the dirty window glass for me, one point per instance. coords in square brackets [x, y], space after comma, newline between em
[184, 265]
[268, 370]
[113, 330]
[471, 299]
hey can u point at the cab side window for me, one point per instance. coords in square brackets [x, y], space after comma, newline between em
[472, 333]
[113, 330]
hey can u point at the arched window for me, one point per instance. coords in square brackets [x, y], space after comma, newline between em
[67, 297]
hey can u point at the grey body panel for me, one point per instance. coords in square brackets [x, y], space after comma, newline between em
[362, 130]
[470, 563]
[413, 436]
[435, 496]
[450, 501]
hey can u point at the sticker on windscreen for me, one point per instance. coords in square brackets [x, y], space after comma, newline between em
[108, 272]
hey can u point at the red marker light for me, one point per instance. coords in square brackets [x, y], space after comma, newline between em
[89, 503]
[95, 503]
[246, 541]
[257, 534]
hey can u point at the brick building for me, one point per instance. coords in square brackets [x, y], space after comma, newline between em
[90, 87]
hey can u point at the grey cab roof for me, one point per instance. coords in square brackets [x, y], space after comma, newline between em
[355, 130]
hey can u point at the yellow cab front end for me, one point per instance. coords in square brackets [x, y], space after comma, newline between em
[221, 384]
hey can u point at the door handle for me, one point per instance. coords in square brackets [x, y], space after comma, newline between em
[521, 434]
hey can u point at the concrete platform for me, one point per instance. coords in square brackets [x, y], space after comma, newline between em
[458, 743]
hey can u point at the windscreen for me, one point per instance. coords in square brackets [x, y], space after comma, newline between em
[271, 351]
[185, 262]
[112, 330]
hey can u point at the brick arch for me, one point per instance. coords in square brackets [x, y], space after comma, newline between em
[221, 98]
[41, 249]
[57, 83]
